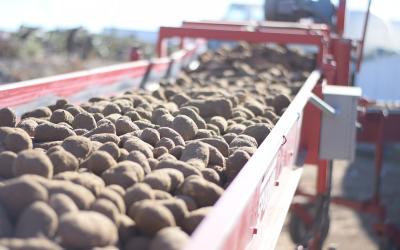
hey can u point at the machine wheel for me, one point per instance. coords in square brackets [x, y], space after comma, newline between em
[299, 230]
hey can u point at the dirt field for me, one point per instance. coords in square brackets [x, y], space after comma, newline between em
[350, 229]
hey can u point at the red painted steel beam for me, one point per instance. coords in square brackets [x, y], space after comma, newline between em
[341, 17]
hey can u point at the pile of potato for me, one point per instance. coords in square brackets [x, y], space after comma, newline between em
[142, 169]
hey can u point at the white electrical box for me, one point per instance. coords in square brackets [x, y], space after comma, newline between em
[338, 131]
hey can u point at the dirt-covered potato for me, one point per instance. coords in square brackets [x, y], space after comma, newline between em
[201, 124]
[106, 207]
[235, 163]
[28, 125]
[158, 180]
[177, 151]
[33, 162]
[170, 238]
[81, 196]
[100, 161]
[7, 159]
[150, 217]
[219, 144]
[140, 158]
[138, 192]
[280, 102]
[161, 195]
[43, 112]
[111, 148]
[84, 121]
[177, 207]
[17, 141]
[171, 134]
[211, 175]
[79, 146]
[7, 118]
[86, 230]
[136, 144]
[213, 107]
[17, 194]
[158, 152]
[185, 126]
[194, 218]
[63, 160]
[86, 179]
[124, 125]
[39, 243]
[62, 204]
[125, 174]
[205, 193]
[196, 153]
[150, 135]
[185, 168]
[52, 132]
[243, 141]
[38, 219]
[258, 131]
[112, 195]
[61, 115]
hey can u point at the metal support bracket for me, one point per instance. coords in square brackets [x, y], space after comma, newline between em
[322, 105]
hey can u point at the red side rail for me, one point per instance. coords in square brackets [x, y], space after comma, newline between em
[251, 213]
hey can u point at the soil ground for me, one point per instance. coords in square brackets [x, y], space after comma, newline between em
[351, 229]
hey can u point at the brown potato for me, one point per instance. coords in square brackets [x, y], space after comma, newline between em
[183, 167]
[112, 195]
[111, 148]
[235, 163]
[100, 161]
[63, 161]
[138, 192]
[81, 196]
[17, 141]
[86, 229]
[205, 193]
[158, 180]
[79, 146]
[33, 162]
[170, 238]
[37, 220]
[194, 219]
[7, 118]
[62, 204]
[6, 225]
[7, 159]
[125, 174]
[84, 121]
[196, 152]
[61, 115]
[138, 145]
[30, 243]
[106, 207]
[52, 132]
[140, 158]
[185, 126]
[138, 243]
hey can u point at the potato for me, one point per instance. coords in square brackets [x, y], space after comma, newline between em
[204, 133]
[255, 107]
[62, 204]
[16, 194]
[105, 128]
[205, 193]
[170, 238]
[171, 134]
[214, 130]
[135, 144]
[140, 158]
[80, 131]
[213, 107]
[177, 151]
[161, 195]
[211, 175]
[150, 217]
[104, 138]
[61, 115]
[153, 163]
[52, 132]
[79, 146]
[150, 135]
[165, 120]
[111, 148]
[157, 152]
[43, 112]
[158, 180]
[100, 161]
[235, 163]
[30, 243]
[33, 162]
[280, 102]
[137, 243]
[201, 124]
[180, 99]
[125, 174]
[218, 143]
[236, 128]
[229, 137]
[194, 219]
[165, 142]
[138, 192]
[106, 207]
[46, 145]
[216, 157]
[63, 161]
[86, 179]
[6, 225]
[177, 207]
[84, 121]
[111, 108]
[126, 228]
[7, 159]
[123, 154]
[189, 202]
[17, 141]
[124, 125]
[37, 220]
[81, 196]
[243, 141]
[196, 153]
[112, 195]
[176, 177]
[258, 131]
[183, 167]
[220, 122]
[185, 126]
[86, 229]
[29, 126]
[7, 118]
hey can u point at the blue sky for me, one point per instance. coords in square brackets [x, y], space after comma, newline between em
[138, 14]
